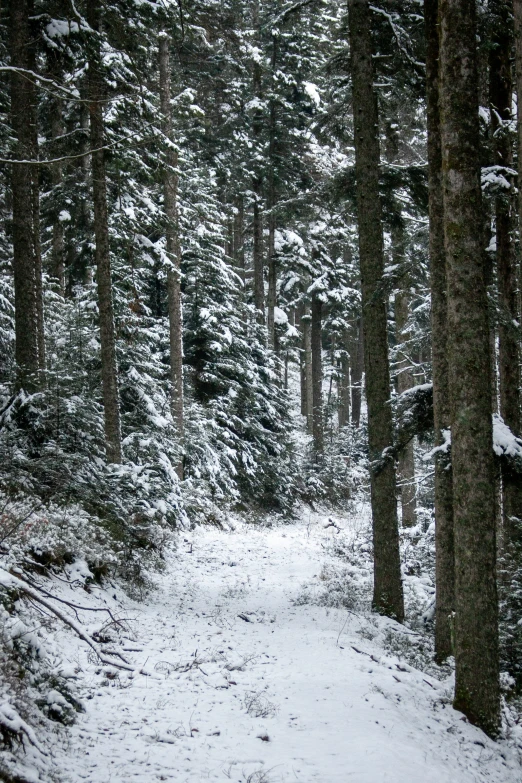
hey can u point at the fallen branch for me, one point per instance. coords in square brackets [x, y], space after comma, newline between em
[7, 580]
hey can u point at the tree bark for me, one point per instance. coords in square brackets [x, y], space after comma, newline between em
[257, 188]
[344, 381]
[404, 382]
[388, 595]
[307, 344]
[27, 260]
[317, 376]
[109, 370]
[444, 544]
[477, 691]
[170, 205]
[500, 96]
[517, 8]
[357, 367]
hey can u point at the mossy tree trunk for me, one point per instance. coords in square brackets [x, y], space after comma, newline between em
[27, 260]
[170, 205]
[500, 97]
[444, 544]
[477, 691]
[109, 368]
[388, 594]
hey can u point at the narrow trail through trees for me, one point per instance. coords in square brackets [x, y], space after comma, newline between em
[247, 677]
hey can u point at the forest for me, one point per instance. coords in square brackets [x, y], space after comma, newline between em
[260, 391]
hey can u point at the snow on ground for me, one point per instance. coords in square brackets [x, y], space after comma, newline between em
[246, 685]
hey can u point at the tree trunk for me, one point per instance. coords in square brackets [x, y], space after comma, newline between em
[476, 615]
[500, 95]
[307, 344]
[170, 205]
[57, 267]
[344, 382]
[357, 366]
[27, 261]
[58, 261]
[272, 279]
[317, 376]
[109, 370]
[388, 595]
[517, 8]
[444, 545]
[257, 188]
[405, 382]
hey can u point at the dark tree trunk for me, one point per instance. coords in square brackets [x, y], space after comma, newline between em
[27, 261]
[317, 375]
[272, 268]
[517, 8]
[259, 284]
[344, 381]
[109, 370]
[257, 188]
[444, 545]
[170, 205]
[239, 243]
[500, 96]
[57, 267]
[357, 367]
[308, 372]
[405, 382]
[302, 369]
[388, 595]
[476, 615]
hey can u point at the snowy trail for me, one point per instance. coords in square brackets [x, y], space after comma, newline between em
[248, 686]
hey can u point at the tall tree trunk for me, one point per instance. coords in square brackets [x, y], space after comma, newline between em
[517, 8]
[500, 96]
[357, 367]
[476, 614]
[272, 278]
[317, 375]
[109, 370]
[27, 261]
[344, 381]
[57, 267]
[170, 205]
[405, 382]
[444, 545]
[272, 269]
[58, 261]
[257, 189]
[308, 372]
[302, 364]
[388, 595]
[259, 283]
[239, 243]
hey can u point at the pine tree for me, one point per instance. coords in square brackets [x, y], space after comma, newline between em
[476, 614]
[388, 596]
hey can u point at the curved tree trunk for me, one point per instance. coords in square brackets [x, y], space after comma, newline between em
[388, 595]
[477, 691]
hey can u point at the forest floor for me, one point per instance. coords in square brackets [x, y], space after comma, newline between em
[249, 680]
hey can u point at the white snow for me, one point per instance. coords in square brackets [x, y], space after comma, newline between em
[505, 441]
[312, 92]
[246, 682]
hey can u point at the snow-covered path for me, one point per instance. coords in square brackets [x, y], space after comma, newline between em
[248, 686]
